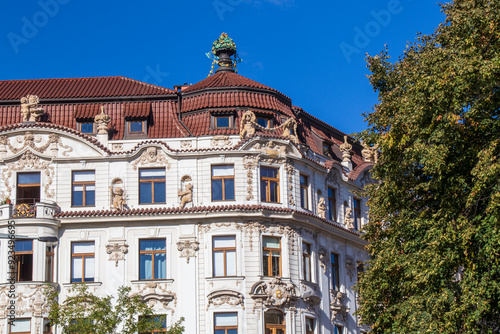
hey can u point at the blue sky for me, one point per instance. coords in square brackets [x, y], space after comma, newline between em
[312, 52]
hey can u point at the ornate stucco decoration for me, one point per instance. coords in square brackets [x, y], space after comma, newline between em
[28, 161]
[116, 251]
[186, 191]
[248, 124]
[186, 144]
[348, 220]
[188, 248]
[220, 140]
[323, 259]
[250, 162]
[271, 148]
[290, 172]
[117, 194]
[321, 207]
[102, 120]
[274, 293]
[156, 294]
[346, 148]
[290, 130]
[338, 305]
[350, 266]
[310, 295]
[253, 227]
[117, 147]
[29, 298]
[30, 140]
[151, 156]
[29, 108]
[228, 297]
[370, 154]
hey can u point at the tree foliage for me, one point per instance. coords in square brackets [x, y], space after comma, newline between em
[434, 231]
[85, 313]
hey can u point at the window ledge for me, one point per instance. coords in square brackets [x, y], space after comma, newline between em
[142, 281]
[224, 278]
[28, 283]
[86, 283]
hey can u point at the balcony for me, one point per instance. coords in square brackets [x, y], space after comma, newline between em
[41, 210]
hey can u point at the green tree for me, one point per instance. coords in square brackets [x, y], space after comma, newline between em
[434, 231]
[84, 313]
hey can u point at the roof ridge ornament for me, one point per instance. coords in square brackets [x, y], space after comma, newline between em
[224, 54]
[29, 108]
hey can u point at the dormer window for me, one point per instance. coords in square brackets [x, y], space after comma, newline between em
[326, 149]
[87, 127]
[222, 122]
[136, 128]
[264, 122]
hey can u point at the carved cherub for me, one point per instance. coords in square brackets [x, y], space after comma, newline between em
[247, 124]
[28, 110]
[186, 195]
[348, 218]
[321, 207]
[118, 198]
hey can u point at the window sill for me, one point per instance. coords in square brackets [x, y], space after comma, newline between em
[28, 283]
[224, 278]
[86, 283]
[161, 280]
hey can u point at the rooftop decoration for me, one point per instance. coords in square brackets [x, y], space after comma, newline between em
[224, 54]
[30, 109]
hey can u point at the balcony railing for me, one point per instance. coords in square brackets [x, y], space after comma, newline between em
[24, 210]
[28, 210]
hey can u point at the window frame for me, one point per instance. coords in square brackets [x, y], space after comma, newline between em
[332, 204]
[10, 326]
[224, 249]
[230, 121]
[84, 184]
[223, 178]
[275, 326]
[313, 325]
[335, 271]
[83, 256]
[270, 257]
[226, 328]
[152, 181]
[268, 181]
[79, 126]
[28, 185]
[338, 329]
[152, 252]
[49, 264]
[143, 127]
[305, 256]
[357, 213]
[18, 260]
[304, 191]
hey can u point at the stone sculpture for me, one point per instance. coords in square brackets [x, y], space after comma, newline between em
[29, 110]
[247, 124]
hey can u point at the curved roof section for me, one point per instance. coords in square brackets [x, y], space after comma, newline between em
[73, 88]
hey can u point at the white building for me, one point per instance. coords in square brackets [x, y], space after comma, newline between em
[237, 213]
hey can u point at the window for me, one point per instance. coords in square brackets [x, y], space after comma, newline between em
[274, 321]
[28, 188]
[156, 321]
[271, 253]
[269, 184]
[82, 262]
[332, 205]
[86, 127]
[306, 261]
[264, 122]
[224, 253]
[49, 263]
[24, 260]
[47, 328]
[225, 323]
[338, 329]
[304, 185]
[152, 186]
[21, 326]
[335, 271]
[222, 183]
[83, 188]
[136, 126]
[152, 259]
[310, 326]
[357, 214]
[326, 149]
[222, 122]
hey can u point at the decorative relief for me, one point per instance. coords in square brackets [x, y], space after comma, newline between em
[248, 124]
[250, 162]
[348, 220]
[152, 156]
[30, 140]
[290, 171]
[274, 293]
[228, 297]
[250, 228]
[338, 305]
[186, 191]
[29, 108]
[370, 154]
[220, 140]
[116, 251]
[157, 294]
[185, 144]
[346, 148]
[321, 207]
[188, 248]
[29, 299]
[323, 259]
[290, 130]
[28, 161]
[117, 147]
[271, 148]
[288, 231]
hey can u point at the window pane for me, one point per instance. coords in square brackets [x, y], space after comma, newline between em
[160, 192]
[145, 192]
[89, 269]
[217, 190]
[231, 263]
[268, 172]
[90, 196]
[273, 191]
[155, 173]
[339, 330]
[77, 196]
[222, 122]
[218, 263]
[226, 319]
[153, 244]
[265, 263]
[87, 127]
[76, 275]
[303, 180]
[161, 266]
[222, 170]
[136, 127]
[23, 246]
[271, 242]
[21, 325]
[307, 268]
[226, 241]
[263, 122]
[276, 263]
[232, 331]
[84, 176]
[229, 188]
[27, 178]
[145, 266]
[82, 247]
[263, 190]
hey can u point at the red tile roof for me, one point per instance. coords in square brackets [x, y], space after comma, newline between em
[70, 88]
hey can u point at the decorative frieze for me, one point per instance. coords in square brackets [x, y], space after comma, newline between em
[156, 294]
[220, 140]
[250, 163]
[152, 156]
[30, 298]
[116, 251]
[228, 297]
[30, 140]
[290, 172]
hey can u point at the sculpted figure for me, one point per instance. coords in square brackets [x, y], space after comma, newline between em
[247, 124]
[118, 198]
[321, 207]
[348, 220]
[186, 195]
[28, 108]
[290, 130]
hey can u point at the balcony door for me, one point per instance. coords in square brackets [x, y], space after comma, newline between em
[28, 188]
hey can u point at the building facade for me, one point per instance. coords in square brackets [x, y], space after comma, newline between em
[219, 202]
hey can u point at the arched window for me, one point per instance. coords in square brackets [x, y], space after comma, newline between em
[274, 322]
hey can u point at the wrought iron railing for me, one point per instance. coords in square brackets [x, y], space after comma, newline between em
[24, 210]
